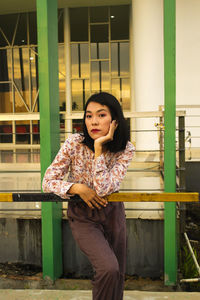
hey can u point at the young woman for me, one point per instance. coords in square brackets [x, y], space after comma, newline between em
[97, 161]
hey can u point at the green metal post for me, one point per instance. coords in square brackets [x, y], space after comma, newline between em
[170, 226]
[49, 131]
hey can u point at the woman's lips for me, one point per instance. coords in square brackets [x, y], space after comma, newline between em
[95, 130]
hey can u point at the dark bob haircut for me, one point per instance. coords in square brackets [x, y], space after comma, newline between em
[121, 135]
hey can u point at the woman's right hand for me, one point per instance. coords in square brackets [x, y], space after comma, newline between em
[88, 195]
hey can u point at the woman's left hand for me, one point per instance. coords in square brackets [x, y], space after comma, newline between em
[98, 144]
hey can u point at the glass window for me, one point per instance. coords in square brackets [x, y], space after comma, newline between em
[22, 129]
[77, 126]
[99, 50]
[6, 132]
[60, 26]
[80, 93]
[114, 59]
[124, 59]
[98, 14]
[8, 30]
[6, 98]
[99, 33]
[119, 16]
[79, 60]
[21, 33]
[79, 24]
[126, 94]
[33, 28]
[34, 77]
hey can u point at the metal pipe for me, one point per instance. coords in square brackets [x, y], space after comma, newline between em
[192, 252]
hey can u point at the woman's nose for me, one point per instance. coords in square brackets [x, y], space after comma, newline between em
[94, 120]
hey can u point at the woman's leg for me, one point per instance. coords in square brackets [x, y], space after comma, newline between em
[91, 239]
[115, 228]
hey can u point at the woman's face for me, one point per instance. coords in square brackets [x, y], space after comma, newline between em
[97, 120]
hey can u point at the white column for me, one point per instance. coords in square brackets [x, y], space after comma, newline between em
[68, 95]
[147, 31]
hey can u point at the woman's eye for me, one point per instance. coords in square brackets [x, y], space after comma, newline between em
[102, 115]
[88, 116]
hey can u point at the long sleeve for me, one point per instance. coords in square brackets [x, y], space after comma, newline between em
[107, 181]
[53, 179]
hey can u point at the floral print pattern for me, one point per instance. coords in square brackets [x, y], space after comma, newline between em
[103, 174]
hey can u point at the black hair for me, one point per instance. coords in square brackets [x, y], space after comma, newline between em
[121, 135]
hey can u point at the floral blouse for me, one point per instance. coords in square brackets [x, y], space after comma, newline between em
[103, 174]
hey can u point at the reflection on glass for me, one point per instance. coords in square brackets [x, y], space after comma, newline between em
[115, 88]
[22, 129]
[95, 77]
[79, 60]
[119, 22]
[79, 24]
[21, 76]
[74, 61]
[61, 60]
[105, 84]
[124, 59]
[99, 50]
[33, 71]
[6, 156]
[36, 136]
[6, 98]
[84, 60]
[99, 33]
[99, 14]
[21, 34]
[80, 93]
[126, 94]
[77, 126]
[6, 132]
[114, 59]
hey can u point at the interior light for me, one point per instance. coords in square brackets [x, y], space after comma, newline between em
[23, 41]
[112, 17]
[31, 58]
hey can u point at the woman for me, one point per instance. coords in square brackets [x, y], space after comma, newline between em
[97, 161]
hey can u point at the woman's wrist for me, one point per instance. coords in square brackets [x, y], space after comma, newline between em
[98, 150]
[74, 189]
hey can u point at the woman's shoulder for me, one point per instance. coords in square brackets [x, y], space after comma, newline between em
[74, 139]
[130, 146]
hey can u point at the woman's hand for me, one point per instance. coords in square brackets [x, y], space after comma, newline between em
[88, 195]
[98, 143]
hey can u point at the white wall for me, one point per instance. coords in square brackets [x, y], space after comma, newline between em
[148, 61]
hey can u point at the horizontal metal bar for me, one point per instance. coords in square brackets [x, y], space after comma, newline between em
[115, 197]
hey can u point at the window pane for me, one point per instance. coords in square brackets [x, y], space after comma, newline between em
[114, 59]
[105, 84]
[126, 94]
[124, 59]
[95, 77]
[8, 30]
[60, 26]
[74, 61]
[116, 88]
[21, 34]
[21, 75]
[6, 98]
[79, 20]
[6, 132]
[36, 138]
[98, 14]
[119, 22]
[80, 93]
[22, 129]
[99, 50]
[99, 33]
[32, 28]
[34, 76]
[84, 60]
[77, 126]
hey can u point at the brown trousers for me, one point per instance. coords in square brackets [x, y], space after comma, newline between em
[101, 235]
